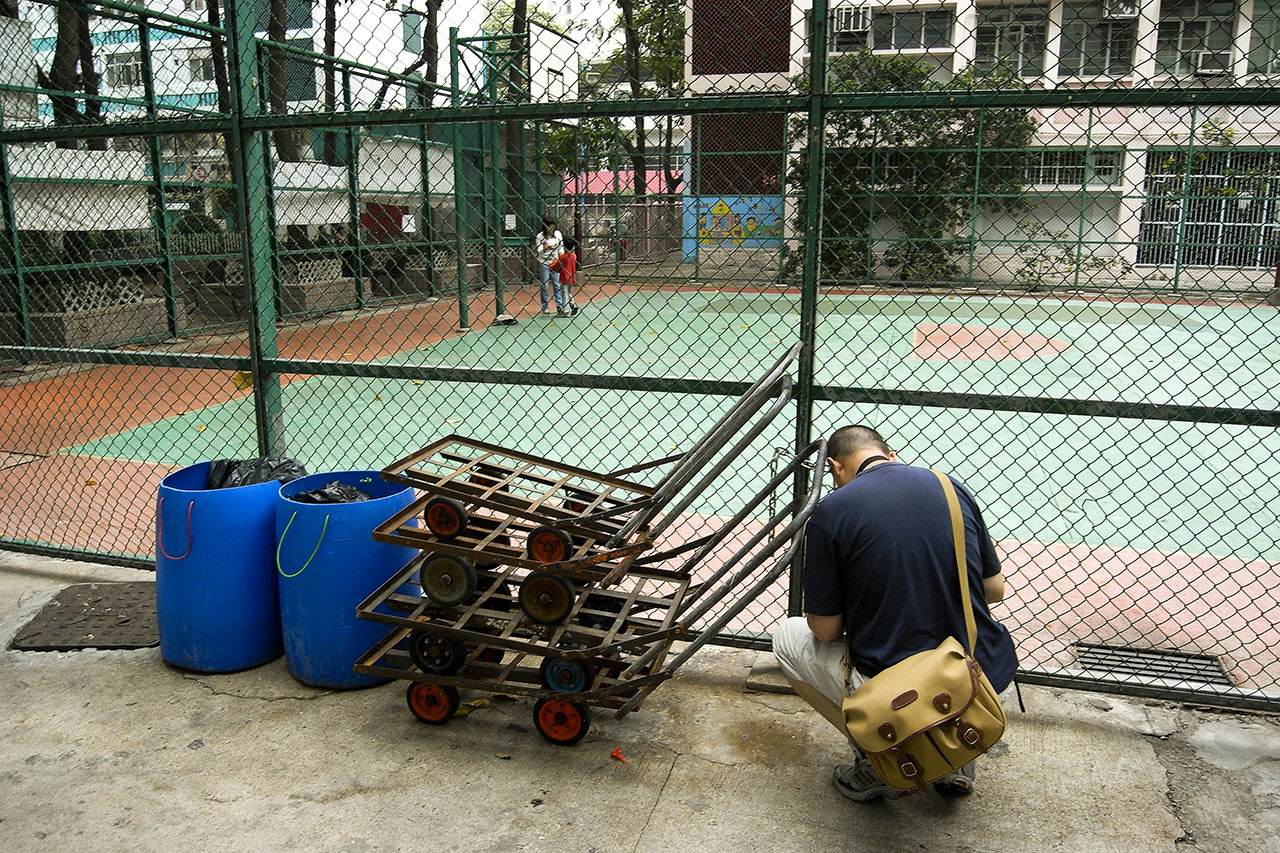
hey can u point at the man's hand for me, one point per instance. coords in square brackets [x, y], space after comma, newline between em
[826, 628]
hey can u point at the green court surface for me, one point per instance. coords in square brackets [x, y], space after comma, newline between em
[1165, 486]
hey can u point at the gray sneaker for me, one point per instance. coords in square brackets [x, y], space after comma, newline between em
[860, 782]
[958, 784]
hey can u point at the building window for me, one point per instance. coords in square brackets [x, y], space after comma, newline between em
[850, 27]
[911, 30]
[1216, 208]
[1074, 168]
[195, 5]
[200, 64]
[1264, 42]
[1012, 38]
[1195, 36]
[1098, 39]
[124, 70]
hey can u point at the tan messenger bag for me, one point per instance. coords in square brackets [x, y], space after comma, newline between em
[933, 713]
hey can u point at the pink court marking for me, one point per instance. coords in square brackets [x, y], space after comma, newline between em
[958, 342]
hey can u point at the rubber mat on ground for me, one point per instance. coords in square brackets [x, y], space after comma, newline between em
[94, 616]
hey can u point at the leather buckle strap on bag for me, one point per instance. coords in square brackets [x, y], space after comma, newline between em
[933, 713]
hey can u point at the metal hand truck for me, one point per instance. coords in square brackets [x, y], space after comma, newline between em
[612, 649]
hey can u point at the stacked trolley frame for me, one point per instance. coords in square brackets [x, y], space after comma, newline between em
[539, 579]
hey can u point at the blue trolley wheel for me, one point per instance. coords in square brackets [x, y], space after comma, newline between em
[567, 676]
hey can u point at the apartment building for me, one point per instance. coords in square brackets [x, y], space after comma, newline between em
[1115, 179]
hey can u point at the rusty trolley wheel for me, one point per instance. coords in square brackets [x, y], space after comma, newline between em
[436, 654]
[447, 579]
[434, 704]
[546, 598]
[567, 676]
[445, 517]
[549, 544]
[563, 723]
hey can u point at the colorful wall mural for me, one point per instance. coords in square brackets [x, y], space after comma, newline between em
[731, 220]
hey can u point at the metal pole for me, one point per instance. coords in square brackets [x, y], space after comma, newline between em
[496, 194]
[157, 178]
[809, 281]
[459, 195]
[13, 250]
[250, 173]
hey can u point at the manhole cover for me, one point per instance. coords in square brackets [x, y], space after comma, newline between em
[94, 616]
[1166, 664]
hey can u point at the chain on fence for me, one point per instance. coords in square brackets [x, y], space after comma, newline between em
[1035, 243]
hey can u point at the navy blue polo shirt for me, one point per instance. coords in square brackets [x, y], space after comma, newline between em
[879, 552]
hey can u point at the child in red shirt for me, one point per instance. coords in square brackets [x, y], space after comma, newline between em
[567, 266]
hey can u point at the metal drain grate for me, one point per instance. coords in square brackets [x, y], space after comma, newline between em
[94, 616]
[1146, 664]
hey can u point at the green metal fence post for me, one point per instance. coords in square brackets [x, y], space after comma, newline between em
[157, 178]
[13, 251]
[459, 193]
[809, 281]
[617, 194]
[498, 191]
[1180, 248]
[250, 172]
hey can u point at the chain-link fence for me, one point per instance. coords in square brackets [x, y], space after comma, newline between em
[1035, 243]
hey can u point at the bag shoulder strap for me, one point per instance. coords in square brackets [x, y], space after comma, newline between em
[957, 537]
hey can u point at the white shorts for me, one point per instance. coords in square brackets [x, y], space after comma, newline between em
[811, 661]
[822, 665]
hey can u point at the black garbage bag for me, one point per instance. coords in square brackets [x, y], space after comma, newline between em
[228, 473]
[333, 493]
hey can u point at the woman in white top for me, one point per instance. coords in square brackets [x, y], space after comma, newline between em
[547, 246]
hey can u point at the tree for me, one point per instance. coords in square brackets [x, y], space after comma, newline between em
[650, 63]
[329, 149]
[277, 93]
[428, 59]
[921, 168]
[71, 71]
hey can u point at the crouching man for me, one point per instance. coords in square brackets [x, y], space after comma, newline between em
[880, 585]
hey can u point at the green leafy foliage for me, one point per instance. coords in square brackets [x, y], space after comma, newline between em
[922, 169]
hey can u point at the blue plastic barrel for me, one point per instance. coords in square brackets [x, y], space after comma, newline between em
[327, 563]
[216, 597]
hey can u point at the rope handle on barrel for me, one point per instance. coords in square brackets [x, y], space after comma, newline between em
[314, 551]
[160, 531]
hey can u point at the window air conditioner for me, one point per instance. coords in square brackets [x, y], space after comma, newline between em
[1119, 10]
[1210, 62]
[852, 19]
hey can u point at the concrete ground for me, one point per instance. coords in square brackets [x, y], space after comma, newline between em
[114, 750]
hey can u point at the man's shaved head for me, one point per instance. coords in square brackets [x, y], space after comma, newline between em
[849, 440]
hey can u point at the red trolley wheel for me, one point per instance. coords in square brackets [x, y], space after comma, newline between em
[549, 544]
[562, 723]
[433, 704]
[445, 517]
